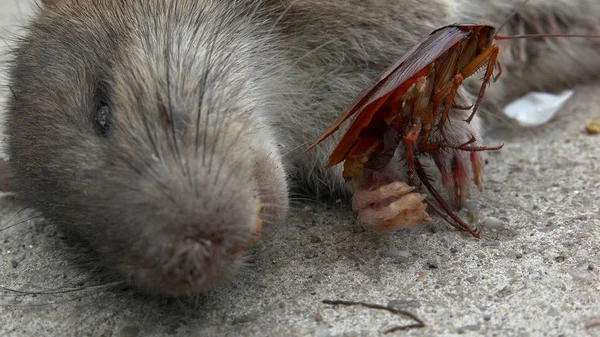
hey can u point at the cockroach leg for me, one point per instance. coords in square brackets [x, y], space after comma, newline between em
[457, 221]
[490, 57]
[475, 148]
[465, 146]
[450, 93]
[456, 83]
[499, 65]
[444, 216]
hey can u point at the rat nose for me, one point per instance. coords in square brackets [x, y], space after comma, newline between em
[192, 260]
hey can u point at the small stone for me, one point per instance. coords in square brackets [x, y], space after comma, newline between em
[560, 259]
[319, 318]
[14, 263]
[487, 318]
[315, 239]
[480, 255]
[492, 223]
[432, 264]
[592, 126]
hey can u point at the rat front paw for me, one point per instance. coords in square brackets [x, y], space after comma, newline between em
[390, 207]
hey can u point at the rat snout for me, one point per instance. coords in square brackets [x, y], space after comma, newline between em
[191, 261]
[194, 223]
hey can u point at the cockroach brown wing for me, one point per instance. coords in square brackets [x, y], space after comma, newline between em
[404, 69]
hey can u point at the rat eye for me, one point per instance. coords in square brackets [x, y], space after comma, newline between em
[103, 118]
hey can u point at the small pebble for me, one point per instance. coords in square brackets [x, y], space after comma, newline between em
[14, 263]
[487, 318]
[315, 239]
[480, 255]
[593, 126]
[492, 223]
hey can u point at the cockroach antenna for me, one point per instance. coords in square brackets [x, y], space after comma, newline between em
[512, 15]
[533, 36]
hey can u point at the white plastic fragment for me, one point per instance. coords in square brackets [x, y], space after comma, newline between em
[536, 108]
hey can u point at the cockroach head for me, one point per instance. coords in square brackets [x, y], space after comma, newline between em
[489, 32]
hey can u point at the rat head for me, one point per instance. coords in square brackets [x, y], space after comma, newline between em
[143, 127]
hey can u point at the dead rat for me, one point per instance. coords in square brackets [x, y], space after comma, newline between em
[165, 132]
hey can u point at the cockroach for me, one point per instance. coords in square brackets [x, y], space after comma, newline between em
[405, 105]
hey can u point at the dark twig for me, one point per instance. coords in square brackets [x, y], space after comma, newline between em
[419, 323]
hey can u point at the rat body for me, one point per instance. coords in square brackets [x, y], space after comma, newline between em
[161, 132]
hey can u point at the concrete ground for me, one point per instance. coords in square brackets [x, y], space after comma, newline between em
[535, 272]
